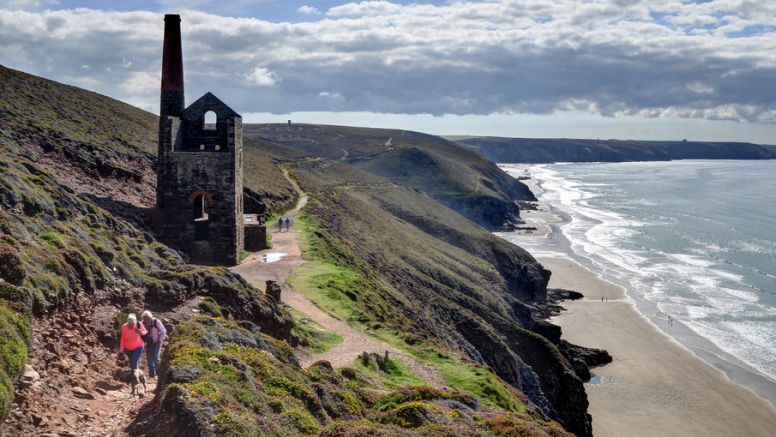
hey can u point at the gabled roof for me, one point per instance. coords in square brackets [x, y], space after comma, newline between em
[209, 102]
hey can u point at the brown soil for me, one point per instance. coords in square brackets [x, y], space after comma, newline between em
[83, 388]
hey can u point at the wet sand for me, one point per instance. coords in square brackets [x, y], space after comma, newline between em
[654, 386]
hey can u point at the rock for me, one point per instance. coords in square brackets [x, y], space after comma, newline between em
[39, 421]
[375, 361]
[30, 374]
[29, 377]
[101, 391]
[547, 330]
[108, 386]
[82, 393]
[273, 290]
[591, 356]
[183, 374]
[562, 294]
[54, 348]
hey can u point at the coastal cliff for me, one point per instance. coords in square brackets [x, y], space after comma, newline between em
[546, 150]
[388, 253]
[452, 175]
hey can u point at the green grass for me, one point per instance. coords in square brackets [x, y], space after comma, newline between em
[457, 374]
[256, 391]
[325, 284]
[15, 335]
[330, 287]
[54, 238]
[395, 376]
[318, 338]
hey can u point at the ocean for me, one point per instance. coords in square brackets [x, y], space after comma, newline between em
[694, 240]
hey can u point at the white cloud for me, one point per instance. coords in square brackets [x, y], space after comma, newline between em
[261, 76]
[308, 10]
[330, 95]
[697, 60]
[141, 83]
[700, 88]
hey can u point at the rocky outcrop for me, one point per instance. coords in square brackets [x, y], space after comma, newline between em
[490, 212]
[580, 358]
[236, 297]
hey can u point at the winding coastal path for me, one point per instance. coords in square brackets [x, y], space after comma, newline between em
[279, 262]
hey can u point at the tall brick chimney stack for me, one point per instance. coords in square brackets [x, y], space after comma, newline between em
[172, 101]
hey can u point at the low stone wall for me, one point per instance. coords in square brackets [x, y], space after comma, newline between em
[255, 237]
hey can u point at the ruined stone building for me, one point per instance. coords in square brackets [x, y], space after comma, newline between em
[199, 192]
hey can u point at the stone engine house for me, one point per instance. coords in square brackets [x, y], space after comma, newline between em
[199, 193]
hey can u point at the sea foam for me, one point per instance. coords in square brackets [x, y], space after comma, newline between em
[690, 237]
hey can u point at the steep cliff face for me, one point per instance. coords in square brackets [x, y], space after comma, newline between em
[542, 150]
[452, 175]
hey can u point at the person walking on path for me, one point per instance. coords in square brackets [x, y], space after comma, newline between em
[288, 224]
[280, 224]
[153, 340]
[132, 340]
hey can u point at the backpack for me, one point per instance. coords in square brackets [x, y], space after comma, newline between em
[148, 338]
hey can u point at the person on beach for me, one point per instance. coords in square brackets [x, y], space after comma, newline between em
[280, 224]
[288, 224]
[132, 344]
[153, 340]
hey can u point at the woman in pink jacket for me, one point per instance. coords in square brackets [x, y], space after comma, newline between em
[132, 343]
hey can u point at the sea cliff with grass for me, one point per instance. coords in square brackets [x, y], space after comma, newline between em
[396, 238]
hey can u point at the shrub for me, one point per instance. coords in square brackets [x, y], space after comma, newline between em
[15, 335]
[301, 420]
[412, 414]
[53, 238]
[11, 267]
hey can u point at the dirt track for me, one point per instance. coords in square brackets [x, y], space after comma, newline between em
[256, 270]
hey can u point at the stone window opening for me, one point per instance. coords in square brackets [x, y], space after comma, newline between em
[201, 218]
[209, 121]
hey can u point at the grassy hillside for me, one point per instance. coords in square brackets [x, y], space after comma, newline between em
[418, 275]
[452, 175]
[540, 150]
[227, 378]
[76, 177]
[387, 257]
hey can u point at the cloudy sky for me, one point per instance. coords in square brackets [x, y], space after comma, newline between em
[660, 69]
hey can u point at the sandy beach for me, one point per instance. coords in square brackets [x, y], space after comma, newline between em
[654, 386]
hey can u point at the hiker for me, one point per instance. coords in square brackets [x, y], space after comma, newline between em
[280, 224]
[288, 224]
[153, 340]
[132, 340]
